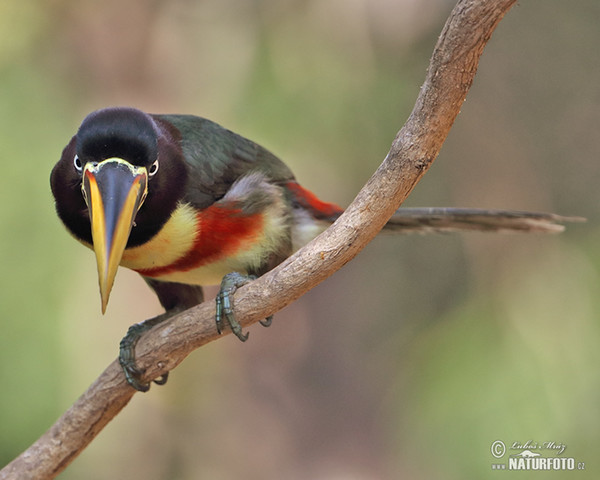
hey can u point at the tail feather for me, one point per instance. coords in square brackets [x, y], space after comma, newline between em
[309, 208]
[441, 220]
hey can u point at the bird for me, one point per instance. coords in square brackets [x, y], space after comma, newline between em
[187, 203]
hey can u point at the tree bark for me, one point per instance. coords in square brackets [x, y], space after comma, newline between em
[451, 71]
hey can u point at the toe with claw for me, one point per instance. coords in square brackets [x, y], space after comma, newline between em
[132, 373]
[224, 305]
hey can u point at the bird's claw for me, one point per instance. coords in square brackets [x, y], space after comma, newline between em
[132, 373]
[224, 308]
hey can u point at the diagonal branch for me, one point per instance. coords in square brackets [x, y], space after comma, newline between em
[449, 77]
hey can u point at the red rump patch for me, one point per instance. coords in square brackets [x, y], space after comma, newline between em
[308, 200]
[223, 230]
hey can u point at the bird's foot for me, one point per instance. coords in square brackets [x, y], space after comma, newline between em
[132, 373]
[230, 283]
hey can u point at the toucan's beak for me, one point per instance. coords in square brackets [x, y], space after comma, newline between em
[114, 190]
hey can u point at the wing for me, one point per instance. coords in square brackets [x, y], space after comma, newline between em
[217, 157]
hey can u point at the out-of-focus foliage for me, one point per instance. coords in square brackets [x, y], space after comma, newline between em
[415, 357]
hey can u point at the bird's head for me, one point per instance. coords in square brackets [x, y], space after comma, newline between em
[108, 186]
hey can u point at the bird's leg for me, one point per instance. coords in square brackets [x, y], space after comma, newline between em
[127, 353]
[230, 283]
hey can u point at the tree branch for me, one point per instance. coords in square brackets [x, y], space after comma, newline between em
[449, 77]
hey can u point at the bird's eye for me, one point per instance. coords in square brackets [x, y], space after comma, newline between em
[77, 163]
[153, 169]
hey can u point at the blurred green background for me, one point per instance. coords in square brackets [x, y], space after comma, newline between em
[416, 356]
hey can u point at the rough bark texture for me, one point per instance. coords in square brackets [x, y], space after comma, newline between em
[451, 72]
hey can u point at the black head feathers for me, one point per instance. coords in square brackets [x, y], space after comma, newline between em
[118, 132]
